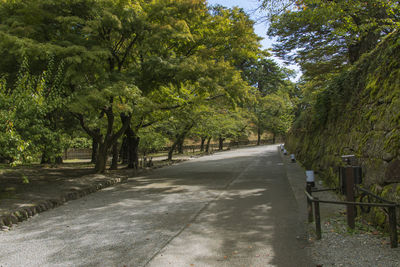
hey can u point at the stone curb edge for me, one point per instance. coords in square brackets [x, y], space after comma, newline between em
[22, 214]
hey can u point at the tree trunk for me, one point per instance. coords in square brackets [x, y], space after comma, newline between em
[101, 160]
[259, 136]
[123, 153]
[221, 143]
[180, 137]
[95, 147]
[133, 153]
[171, 150]
[114, 163]
[58, 160]
[180, 145]
[273, 138]
[130, 148]
[203, 140]
[110, 137]
[45, 158]
[208, 144]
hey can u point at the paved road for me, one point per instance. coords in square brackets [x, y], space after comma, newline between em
[235, 208]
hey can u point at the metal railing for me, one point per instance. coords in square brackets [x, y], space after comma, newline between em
[391, 206]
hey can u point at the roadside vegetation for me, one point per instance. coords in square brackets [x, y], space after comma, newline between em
[132, 76]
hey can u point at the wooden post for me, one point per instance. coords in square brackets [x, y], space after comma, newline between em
[393, 227]
[317, 219]
[351, 213]
[309, 204]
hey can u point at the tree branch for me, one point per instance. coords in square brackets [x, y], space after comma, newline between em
[90, 132]
[127, 52]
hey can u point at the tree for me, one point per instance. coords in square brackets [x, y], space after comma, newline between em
[325, 37]
[29, 115]
[120, 56]
[268, 80]
[151, 140]
[265, 75]
[116, 52]
[277, 113]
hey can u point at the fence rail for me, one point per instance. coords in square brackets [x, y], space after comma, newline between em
[86, 153]
[390, 205]
[77, 153]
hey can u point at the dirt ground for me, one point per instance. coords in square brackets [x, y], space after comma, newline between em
[25, 186]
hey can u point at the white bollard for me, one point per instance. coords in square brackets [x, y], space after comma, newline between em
[310, 177]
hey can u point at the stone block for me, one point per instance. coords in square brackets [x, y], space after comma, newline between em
[392, 174]
[14, 219]
[29, 212]
[7, 221]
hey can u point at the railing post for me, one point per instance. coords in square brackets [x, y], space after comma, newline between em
[351, 212]
[317, 219]
[393, 227]
[309, 204]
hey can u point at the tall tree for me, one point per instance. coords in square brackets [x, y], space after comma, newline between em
[324, 36]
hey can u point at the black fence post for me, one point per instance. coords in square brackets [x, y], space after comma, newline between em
[393, 227]
[317, 219]
[351, 212]
[309, 204]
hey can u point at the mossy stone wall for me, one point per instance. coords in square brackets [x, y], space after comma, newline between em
[358, 113]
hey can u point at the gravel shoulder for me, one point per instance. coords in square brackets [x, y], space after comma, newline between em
[339, 246]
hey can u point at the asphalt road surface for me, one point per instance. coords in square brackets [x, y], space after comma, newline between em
[234, 208]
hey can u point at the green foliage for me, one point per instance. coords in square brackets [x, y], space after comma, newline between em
[130, 64]
[79, 142]
[325, 37]
[232, 124]
[265, 75]
[28, 112]
[151, 141]
[274, 95]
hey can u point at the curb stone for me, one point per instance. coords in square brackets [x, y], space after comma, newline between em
[23, 214]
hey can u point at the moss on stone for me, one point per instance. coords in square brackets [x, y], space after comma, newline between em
[357, 113]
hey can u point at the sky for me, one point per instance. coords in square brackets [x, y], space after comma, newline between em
[260, 28]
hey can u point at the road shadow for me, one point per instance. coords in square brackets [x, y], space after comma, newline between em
[207, 209]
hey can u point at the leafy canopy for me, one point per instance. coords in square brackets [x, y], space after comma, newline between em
[324, 37]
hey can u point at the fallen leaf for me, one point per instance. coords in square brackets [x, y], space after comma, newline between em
[225, 257]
